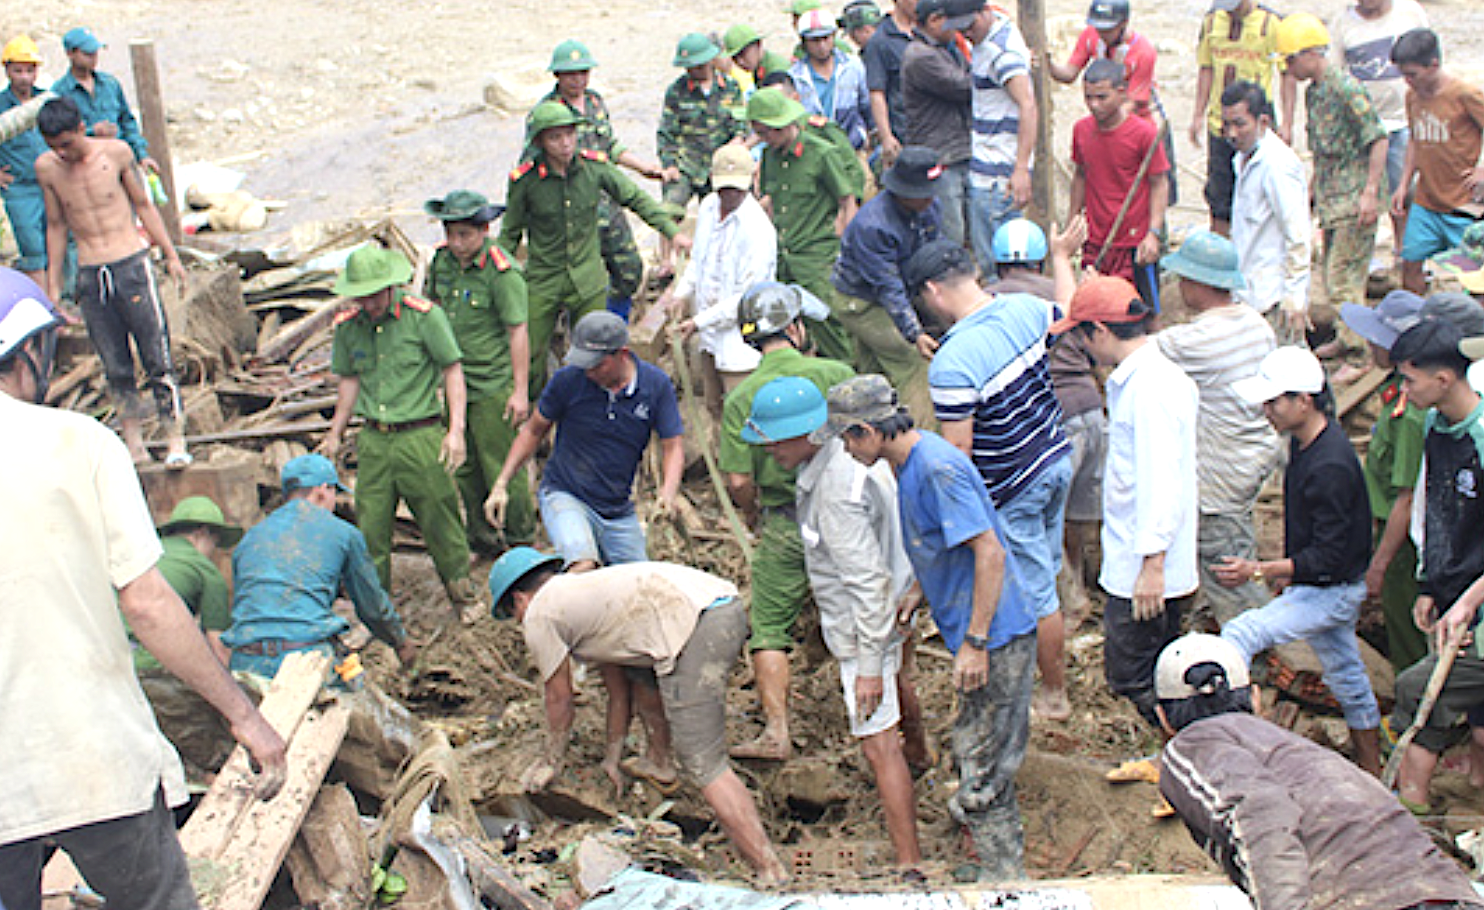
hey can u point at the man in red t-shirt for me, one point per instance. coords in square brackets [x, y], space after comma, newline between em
[1108, 150]
[1108, 37]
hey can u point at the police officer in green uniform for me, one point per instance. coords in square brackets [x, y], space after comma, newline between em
[390, 350]
[701, 113]
[571, 63]
[483, 292]
[826, 129]
[805, 184]
[772, 318]
[553, 200]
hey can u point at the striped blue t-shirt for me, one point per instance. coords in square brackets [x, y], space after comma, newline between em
[1001, 56]
[992, 369]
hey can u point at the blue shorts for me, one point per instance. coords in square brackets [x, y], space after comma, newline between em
[1033, 523]
[26, 209]
[1430, 233]
[580, 533]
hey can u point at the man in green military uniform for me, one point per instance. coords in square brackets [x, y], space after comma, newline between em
[390, 350]
[772, 320]
[826, 129]
[805, 185]
[700, 115]
[552, 200]
[754, 63]
[571, 63]
[196, 532]
[483, 292]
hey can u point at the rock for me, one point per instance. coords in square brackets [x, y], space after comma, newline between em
[597, 861]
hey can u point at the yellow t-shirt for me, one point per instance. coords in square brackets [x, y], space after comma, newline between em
[1236, 50]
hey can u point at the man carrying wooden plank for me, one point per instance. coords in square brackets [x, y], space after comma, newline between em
[89, 773]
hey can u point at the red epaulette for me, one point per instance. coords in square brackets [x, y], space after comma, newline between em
[494, 254]
[818, 120]
[347, 313]
[521, 170]
[417, 303]
[594, 155]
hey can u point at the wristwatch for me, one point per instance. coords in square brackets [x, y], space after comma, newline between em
[977, 642]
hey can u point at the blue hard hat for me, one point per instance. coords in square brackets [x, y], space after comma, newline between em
[1019, 242]
[515, 564]
[786, 408]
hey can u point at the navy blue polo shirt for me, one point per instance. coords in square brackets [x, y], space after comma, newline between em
[601, 435]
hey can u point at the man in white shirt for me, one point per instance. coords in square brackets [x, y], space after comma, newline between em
[735, 247]
[85, 766]
[1236, 448]
[1149, 486]
[1361, 39]
[1270, 214]
[859, 573]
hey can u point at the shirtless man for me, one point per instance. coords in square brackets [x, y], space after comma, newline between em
[93, 189]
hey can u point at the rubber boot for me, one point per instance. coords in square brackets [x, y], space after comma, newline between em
[620, 307]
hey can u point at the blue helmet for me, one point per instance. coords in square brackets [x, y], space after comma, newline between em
[1019, 242]
[509, 569]
[786, 408]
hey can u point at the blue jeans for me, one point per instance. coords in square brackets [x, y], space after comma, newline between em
[579, 533]
[1325, 619]
[1033, 523]
[989, 207]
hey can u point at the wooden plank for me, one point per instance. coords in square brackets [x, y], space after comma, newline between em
[1359, 390]
[152, 122]
[258, 846]
[222, 810]
[292, 428]
[491, 878]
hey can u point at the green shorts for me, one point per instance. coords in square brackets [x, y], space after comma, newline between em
[780, 583]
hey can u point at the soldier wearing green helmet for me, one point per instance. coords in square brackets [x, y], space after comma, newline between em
[571, 63]
[699, 116]
[552, 202]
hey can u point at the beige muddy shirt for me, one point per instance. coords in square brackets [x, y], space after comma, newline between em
[638, 614]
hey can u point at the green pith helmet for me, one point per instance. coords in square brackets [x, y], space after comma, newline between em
[770, 107]
[549, 114]
[738, 37]
[571, 56]
[695, 49]
[371, 269]
[197, 512]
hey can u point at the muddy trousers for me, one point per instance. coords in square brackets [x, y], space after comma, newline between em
[1348, 248]
[989, 739]
[488, 437]
[403, 466]
[120, 302]
[880, 348]
[134, 862]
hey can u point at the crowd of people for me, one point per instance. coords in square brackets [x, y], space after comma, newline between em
[922, 401]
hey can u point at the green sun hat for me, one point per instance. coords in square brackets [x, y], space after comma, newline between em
[800, 7]
[199, 511]
[370, 269]
[737, 37]
[463, 205]
[695, 49]
[571, 56]
[770, 107]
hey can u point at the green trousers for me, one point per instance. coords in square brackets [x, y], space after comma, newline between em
[488, 436]
[404, 466]
[547, 299]
[780, 583]
[812, 273]
[1406, 642]
[880, 348]
[620, 254]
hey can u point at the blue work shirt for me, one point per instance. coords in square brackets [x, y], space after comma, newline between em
[944, 505]
[601, 435]
[19, 154]
[105, 102]
[289, 569]
[877, 244]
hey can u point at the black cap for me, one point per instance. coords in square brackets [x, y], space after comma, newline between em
[933, 261]
[928, 8]
[915, 173]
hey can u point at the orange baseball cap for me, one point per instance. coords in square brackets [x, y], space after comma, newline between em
[1105, 299]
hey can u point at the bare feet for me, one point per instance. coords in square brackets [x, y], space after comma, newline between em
[662, 776]
[1051, 705]
[768, 747]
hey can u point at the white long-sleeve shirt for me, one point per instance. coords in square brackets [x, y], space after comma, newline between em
[1271, 226]
[1150, 499]
[729, 256]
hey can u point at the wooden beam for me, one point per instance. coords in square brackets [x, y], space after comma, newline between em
[1043, 177]
[152, 120]
[1362, 388]
[490, 877]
